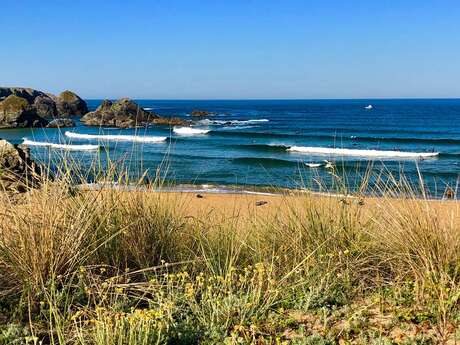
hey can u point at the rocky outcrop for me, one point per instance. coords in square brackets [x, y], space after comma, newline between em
[17, 170]
[201, 113]
[171, 121]
[48, 105]
[23, 92]
[62, 122]
[70, 104]
[123, 113]
[16, 112]
[45, 106]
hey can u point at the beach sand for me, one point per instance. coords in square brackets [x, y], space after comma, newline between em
[247, 207]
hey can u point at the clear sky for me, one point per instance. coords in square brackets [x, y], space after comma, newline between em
[233, 49]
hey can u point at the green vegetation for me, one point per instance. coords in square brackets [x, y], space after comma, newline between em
[13, 103]
[115, 267]
[68, 96]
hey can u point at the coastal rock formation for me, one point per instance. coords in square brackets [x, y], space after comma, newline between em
[123, 113]
[17, 169]
[61, 122]
[170, 121]
[69, 104]
[45, 106]
[16, 112]
[48, 105]
[27, 93]
[201, 113]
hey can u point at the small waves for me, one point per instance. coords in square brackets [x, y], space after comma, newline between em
[190, 131]
[262, 147]
[263, 161]
[361, 153]
[61, 146]
[109, 137]
[451, 155]
[231, 122]
[335, 151]
[403, 140]
[229, 128]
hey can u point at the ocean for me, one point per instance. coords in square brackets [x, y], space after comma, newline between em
[276, 143]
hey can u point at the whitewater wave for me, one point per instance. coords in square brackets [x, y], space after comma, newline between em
[115, 137]
[361, 153]
[60, 146]
[231, 122]
[236, 128]
[313, 165]
[189, 130]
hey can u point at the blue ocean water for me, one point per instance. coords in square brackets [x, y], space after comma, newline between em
[248, 141]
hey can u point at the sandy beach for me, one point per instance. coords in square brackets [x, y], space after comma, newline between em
[265, 206]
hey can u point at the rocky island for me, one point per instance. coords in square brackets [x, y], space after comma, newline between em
[201, 113]
[26, 107]
[125, 113]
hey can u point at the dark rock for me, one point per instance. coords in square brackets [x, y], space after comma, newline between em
[48, 105]
[23, 92]
[69, 104]
[449, 193]
[45, 106]
[201, 113]
[199, 196]
[170, 121]
[62, 122]
[261, 203]
[16, 112]
[123, 113]
[17, 170]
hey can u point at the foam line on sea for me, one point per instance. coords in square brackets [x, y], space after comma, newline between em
[116, 137]
[60, 146]
[231, 122]
[361, 153]
[190, 131]
[211, 189]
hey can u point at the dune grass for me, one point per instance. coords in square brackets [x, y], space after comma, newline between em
[107, 266]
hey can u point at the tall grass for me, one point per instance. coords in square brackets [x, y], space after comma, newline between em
[112, 266]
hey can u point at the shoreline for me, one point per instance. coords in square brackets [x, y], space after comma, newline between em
[248, 190]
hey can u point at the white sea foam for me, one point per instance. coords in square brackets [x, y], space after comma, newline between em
[236, 128]
[116, 137]
[148, 109]
[189, 130]
[61, 146]
[313, 165]
[361, 153]
[231, 122]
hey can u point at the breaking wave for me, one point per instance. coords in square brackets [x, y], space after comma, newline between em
[231, 122]
[134, 138]
[60, 146]
[190, 130]
[361, 153]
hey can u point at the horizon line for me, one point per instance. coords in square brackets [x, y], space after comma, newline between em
[278, 99]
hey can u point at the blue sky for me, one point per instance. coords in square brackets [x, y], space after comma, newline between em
[233, 49]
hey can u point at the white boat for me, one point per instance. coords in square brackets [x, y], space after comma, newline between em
[369, 107]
